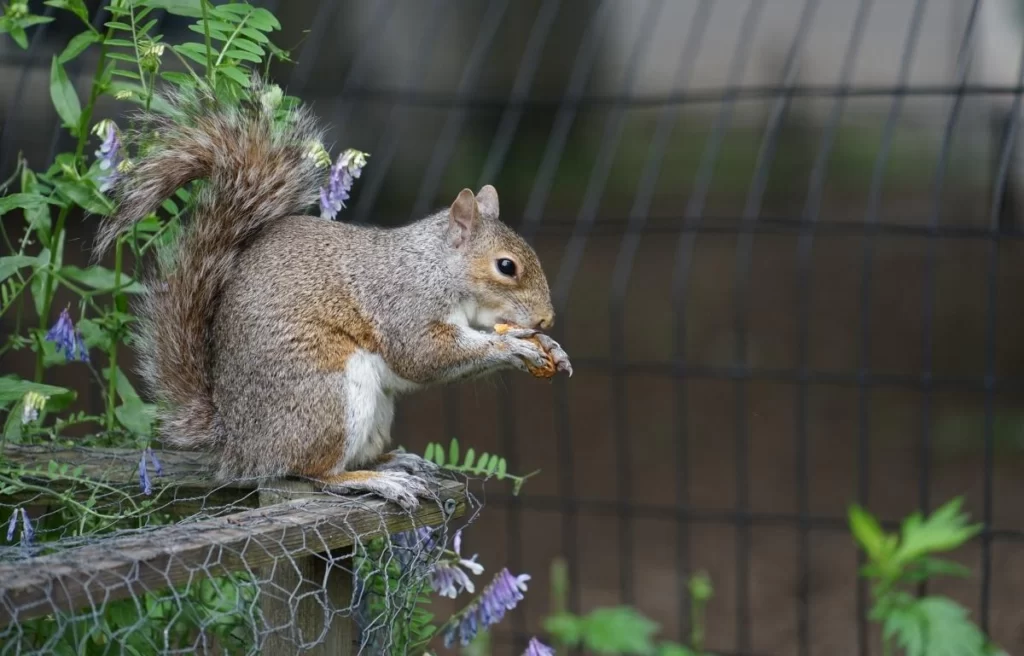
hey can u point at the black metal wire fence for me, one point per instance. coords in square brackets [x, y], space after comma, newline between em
[782, 238]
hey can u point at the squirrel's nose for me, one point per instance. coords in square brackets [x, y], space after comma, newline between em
[545, 322]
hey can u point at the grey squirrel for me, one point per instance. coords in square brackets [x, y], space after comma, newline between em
[280, 341]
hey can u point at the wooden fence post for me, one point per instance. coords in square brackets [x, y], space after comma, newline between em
[299, 593]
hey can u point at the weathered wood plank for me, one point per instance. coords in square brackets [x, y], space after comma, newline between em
[132, 564]
[186, 486]
[294, 597]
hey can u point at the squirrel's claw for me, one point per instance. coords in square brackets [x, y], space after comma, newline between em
[404, 461]
[557, 353]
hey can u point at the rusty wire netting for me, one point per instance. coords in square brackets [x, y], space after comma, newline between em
[784, 242]
[189, 568]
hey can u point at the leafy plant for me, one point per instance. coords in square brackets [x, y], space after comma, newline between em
[486, 465]
[622, 629]
[918, 626]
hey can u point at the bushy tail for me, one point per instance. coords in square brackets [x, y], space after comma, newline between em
[257, 171]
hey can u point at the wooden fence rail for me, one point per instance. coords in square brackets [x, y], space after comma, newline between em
[285, 522]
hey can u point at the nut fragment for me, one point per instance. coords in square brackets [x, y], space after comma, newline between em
[548, 370]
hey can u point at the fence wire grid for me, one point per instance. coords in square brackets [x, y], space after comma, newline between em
[783, 239]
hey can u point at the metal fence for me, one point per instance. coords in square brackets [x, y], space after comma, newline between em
[783, 242]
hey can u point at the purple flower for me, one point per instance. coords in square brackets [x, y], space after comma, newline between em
[501, 595]
[144, 482]
[67, 339]
[156, 463]
[343, 174]
[27, 532]
[538, 648]
[12, 524]
[108, 154]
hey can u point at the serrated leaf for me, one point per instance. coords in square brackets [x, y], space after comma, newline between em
[867, 531]
[944, 530]
[77, 45]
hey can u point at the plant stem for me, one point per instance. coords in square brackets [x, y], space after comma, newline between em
[112, 378]
[209, 47]
[49, 283]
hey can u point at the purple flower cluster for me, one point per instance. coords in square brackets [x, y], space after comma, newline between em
[108, 154]
[67, 338]
[538, 648]
[448, 578]
[501, 595]
[27, 532]
[343, 175]
[144, 483]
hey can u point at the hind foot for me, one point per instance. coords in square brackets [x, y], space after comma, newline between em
[396, 486]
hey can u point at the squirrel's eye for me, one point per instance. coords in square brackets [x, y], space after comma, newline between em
[507, 267]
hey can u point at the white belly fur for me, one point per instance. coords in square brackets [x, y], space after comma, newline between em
[370, 388]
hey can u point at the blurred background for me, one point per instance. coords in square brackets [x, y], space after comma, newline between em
[784, 241]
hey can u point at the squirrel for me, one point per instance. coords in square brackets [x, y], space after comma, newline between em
[280, 341]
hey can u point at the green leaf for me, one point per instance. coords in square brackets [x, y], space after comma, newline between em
[618, 630]
[101, 279]
[16, 31]
[453, 452]
[64, 96]
[12, 428]
[502, 468]
[565, 627]
[944, 530]
[242, 55]
[236, 75]
[24, 201]
[470, 455]
[675, 649]
[190, 8]
[928, 567]
[85, 195]
[428, 455]
[11, 263]
[13, 389]
[77, 45]
[867, 531]
[75, 6]
[245, 44]
[439, 456]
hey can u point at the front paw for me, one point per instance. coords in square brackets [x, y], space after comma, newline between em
[533, 351]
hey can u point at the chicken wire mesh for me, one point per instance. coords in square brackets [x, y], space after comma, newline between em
[783, 238]
[183, 568]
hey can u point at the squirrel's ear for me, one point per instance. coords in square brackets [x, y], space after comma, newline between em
[487, 201]
[462, 218]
